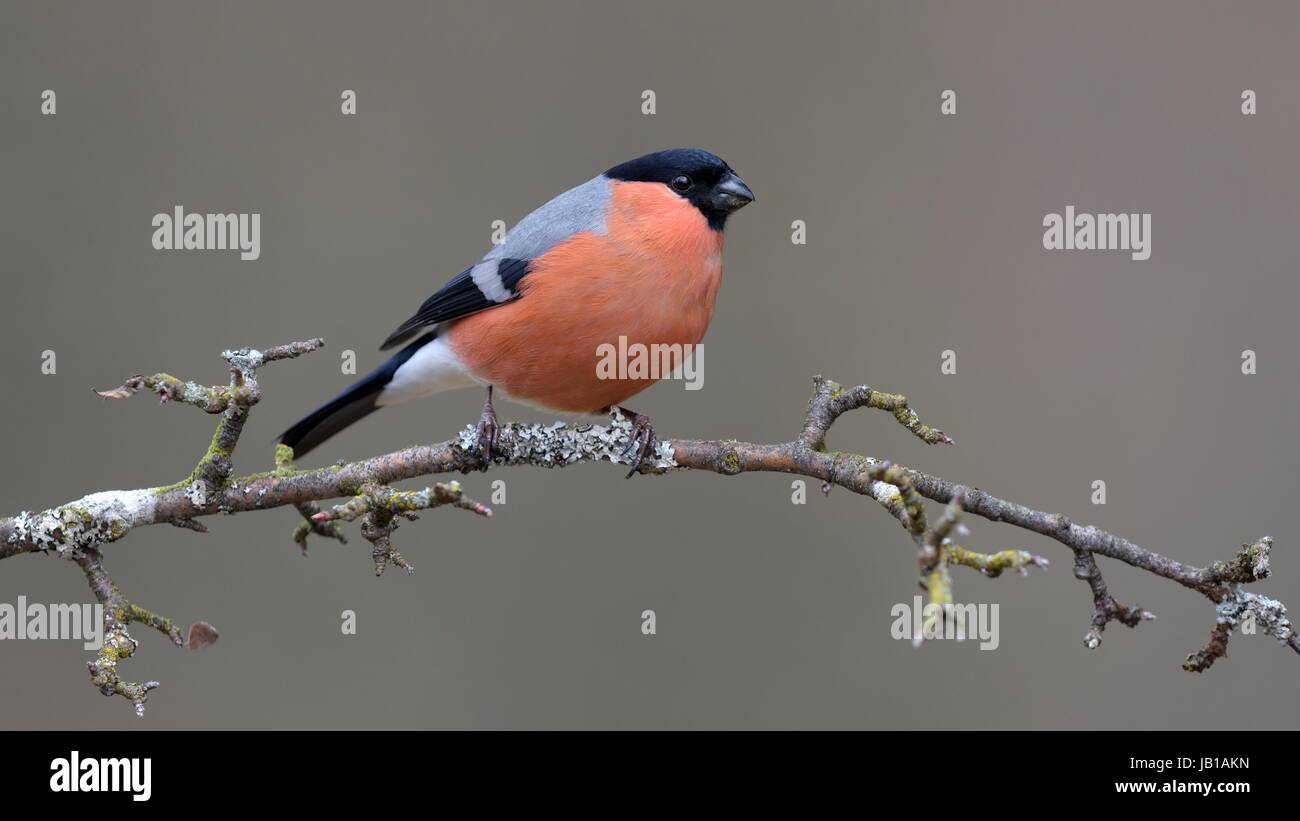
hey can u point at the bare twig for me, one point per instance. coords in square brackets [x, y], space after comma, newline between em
[1105, 608]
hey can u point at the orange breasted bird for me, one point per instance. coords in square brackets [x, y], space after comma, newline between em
[635, 252]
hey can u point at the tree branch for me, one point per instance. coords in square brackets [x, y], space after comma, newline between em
[79, 529]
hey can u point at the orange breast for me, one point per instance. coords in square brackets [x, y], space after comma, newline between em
[653, 278]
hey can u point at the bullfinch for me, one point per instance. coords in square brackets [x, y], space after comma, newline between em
[634, 252]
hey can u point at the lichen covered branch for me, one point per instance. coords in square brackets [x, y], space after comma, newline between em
[1238, 608]
[380, 508]
[117, 642]
[78, 530]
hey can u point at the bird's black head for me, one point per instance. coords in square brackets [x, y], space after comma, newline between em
[697, 176]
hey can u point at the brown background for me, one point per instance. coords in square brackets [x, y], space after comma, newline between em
[924, 234]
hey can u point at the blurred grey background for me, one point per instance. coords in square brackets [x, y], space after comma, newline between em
[924, 234]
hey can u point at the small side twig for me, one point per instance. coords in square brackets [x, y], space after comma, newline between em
[1105, 608]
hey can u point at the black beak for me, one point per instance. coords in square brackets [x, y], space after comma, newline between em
[731, 193]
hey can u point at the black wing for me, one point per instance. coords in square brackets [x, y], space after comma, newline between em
[459, 297]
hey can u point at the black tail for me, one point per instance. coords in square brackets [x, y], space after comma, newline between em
[354, 403]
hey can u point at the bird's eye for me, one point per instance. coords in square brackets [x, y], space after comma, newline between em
[681, 182]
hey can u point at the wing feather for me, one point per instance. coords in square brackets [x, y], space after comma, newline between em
[461, 296]
[576, 210]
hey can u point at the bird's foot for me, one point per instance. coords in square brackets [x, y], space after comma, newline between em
[642, 441]
[487, 428]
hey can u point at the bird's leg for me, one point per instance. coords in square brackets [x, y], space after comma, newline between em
[487, 427]
[642, 441]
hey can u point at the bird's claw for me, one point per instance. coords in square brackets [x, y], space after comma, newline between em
[487, 429]
[642, 442]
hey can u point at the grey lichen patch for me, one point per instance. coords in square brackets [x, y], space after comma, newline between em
[245, 359]
[193, 389]
[89, 521]
[559, 445]
[1268, 614]
[885, 493]
[197, 493]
